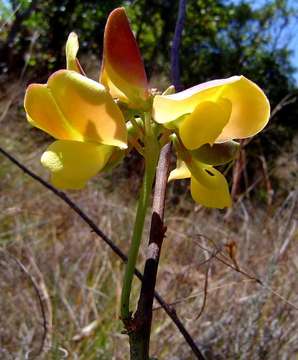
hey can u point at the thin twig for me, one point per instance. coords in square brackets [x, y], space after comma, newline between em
[225, 262]
[40, 301]
[45, 297]
[205, 293]
[175, 64]
[168, 309]
[250, 277]
[201, 292]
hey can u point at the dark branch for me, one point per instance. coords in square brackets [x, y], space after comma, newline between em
[170, 312]
[175, 64]
[143, 317]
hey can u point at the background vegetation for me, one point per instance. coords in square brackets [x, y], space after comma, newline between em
[82, 278]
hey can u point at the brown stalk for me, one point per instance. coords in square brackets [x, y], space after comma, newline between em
[141, 323]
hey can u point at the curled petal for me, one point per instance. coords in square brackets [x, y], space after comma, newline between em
[43, 112]
[250, 109]
[181, 171]
[71, 50]
[210, 188]
[168, 108]
[123, 69]
[73, 163]
[89, 107]
[83, 109]
[204, 124]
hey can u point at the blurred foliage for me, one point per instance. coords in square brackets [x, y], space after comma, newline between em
[38, 30]
[221, 38]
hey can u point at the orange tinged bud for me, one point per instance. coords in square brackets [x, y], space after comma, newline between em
[123, 70]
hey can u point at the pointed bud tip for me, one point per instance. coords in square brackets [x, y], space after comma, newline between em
[122, 62]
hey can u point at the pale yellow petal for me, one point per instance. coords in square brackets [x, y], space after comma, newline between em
[168, 108]
[71, 50]
[181, 171]
[205, 123]
[73, 163]
[250, 110]
[250, 106]
[89, 108]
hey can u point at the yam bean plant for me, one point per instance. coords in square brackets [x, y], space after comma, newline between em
[176, 138]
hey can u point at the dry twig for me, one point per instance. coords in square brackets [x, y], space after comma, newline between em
[39, 291]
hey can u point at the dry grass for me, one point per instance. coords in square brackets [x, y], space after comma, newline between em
[241, 320]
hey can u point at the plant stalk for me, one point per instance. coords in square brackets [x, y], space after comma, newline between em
[151, 153]
[140, 336]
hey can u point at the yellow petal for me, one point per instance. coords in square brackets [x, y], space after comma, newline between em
[71, 49]
[181, 171]
[205, 123]
[210, 188]
[122, 63]
[43, 113]
[73, 163]
[214, 198]
[250, 110]
[250, 107]
[88, 108]
[168, 108]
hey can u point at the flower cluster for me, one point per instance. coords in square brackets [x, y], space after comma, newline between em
[95, 124]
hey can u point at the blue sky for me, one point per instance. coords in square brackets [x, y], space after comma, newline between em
[292, 29]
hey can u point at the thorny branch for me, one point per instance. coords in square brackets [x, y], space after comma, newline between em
[168, 309]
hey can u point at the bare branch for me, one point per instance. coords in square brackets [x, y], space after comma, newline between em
[39, 294]
[141, 323]
[45, 298]
[287, 100]
[175, 66]
[205, 292]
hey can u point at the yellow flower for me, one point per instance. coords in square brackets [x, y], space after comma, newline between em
[81, 114]
[213, 112]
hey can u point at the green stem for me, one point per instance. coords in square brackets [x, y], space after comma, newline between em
[151, 157]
